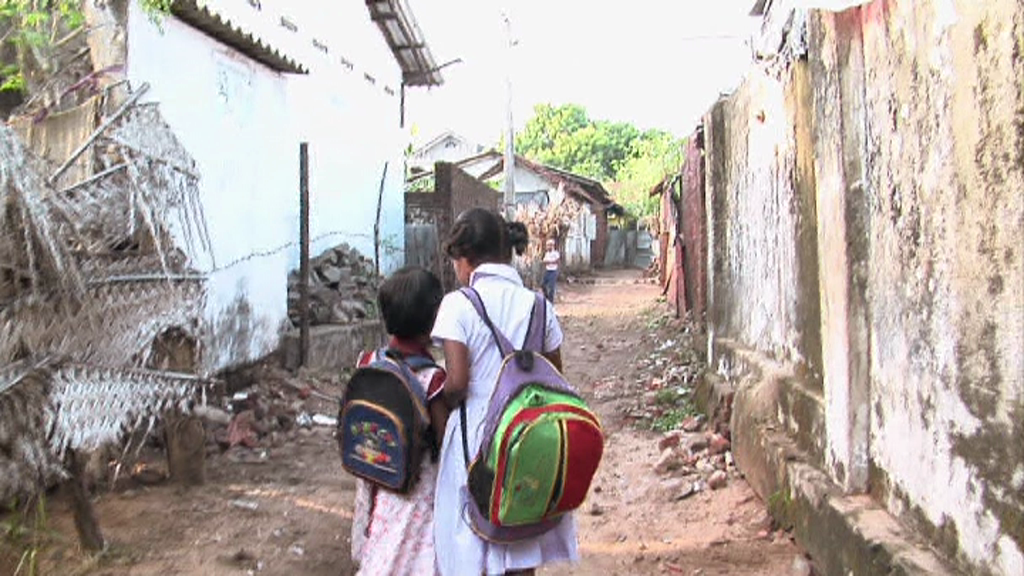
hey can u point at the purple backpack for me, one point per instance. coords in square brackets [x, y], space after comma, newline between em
[541, 444]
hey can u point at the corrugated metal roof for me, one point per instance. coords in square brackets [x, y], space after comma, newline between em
[403, 36]
[231, 34]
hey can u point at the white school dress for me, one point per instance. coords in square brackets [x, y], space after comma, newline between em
[459, 550]
[393, 534]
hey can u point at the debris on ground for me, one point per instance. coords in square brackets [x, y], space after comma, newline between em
[691, 449]
[270, 407]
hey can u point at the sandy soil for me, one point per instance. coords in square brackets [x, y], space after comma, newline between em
[285, 507]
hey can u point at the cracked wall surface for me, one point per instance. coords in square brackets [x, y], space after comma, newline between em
[912, 117]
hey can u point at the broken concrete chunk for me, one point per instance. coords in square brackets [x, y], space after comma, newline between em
[670, 440]
[212, 415]
[324, 420]
[717, 444]
[717, 480]
[670, 460]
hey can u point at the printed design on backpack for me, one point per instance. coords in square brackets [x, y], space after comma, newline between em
[541, 445]
[383, 423]
[372, 444]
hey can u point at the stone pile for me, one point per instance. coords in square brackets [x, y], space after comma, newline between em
[342, 288]
[693, 461]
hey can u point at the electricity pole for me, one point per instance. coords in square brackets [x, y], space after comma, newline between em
[510, 147]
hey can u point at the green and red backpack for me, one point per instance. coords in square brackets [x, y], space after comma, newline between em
[541, 443]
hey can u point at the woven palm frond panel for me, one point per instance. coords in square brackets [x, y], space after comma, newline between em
[95, 406]
[48, 408]
[113, 324]
[33, 249]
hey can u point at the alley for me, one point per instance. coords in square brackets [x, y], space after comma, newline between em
[788, 237]
[283, 506]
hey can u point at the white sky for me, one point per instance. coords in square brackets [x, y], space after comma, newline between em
[655, 63]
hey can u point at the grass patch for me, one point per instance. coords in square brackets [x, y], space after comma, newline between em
[24, 530]
[671, 407]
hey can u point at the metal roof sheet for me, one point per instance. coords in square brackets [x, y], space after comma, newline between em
[232, 34]
[404, 38]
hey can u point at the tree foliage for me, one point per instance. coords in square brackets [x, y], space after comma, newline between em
[655, 155]
[566, 137]
[33, 29]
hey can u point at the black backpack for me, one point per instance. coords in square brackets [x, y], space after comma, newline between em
[383, 423]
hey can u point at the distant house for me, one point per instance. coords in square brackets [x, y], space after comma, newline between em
[241, 84]
[584, 204]
[447, 147]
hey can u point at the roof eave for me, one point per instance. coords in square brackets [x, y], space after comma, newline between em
[403, 37]
[223, 30]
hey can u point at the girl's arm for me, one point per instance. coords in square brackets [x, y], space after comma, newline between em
[439, 419]
[456, 363]
[555, 357]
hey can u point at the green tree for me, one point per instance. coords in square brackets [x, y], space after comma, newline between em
[566, 137]
[655, 155]
[31, 30]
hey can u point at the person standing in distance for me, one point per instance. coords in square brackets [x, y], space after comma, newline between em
[552, 258]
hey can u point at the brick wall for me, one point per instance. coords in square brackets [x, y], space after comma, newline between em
[454, 192]
[468, 192]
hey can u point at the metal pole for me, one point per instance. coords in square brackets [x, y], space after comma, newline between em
[376, 223]
[303, 254]
[401, 106]
[510, 147]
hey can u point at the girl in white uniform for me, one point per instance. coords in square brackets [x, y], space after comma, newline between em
[479, 247]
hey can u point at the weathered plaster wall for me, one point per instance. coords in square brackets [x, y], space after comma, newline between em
[352, 133]
[945, 121]
[230, 113]
[242, 122]
[885, 206]
[757, 213]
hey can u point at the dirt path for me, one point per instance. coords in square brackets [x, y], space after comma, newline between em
[285, 507]
[635, 522]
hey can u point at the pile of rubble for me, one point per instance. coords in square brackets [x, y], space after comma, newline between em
[693, 461]
[271, 409]
[694, 454]
[342, 288]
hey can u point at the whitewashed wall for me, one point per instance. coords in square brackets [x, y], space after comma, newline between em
[242, 122]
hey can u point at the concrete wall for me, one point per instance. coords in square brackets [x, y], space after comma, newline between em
[944, 219]
[242, 122]
[756, 206]
[866, 238]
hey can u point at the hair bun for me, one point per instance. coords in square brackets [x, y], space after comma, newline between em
[518, 237]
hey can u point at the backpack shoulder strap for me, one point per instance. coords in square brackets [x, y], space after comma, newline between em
[417, 362]
[504, 345]
[537, 331]
[405, 366]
